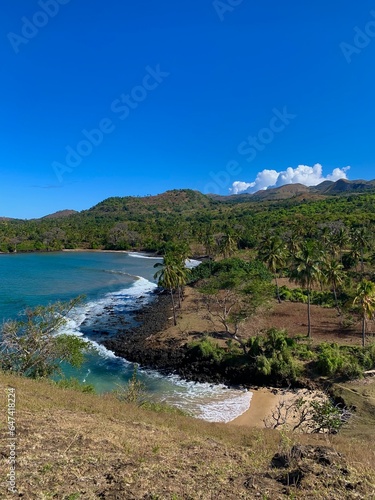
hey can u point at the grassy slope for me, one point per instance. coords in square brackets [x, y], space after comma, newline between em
[72, 445]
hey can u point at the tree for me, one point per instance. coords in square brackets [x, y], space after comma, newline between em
[236, 293]
[177, 254]
[227, 243]
[309, 417]
[334, 275]
[294, 242]
[307, 272]
[33, 346]
[272, 252]
[366, 299]
[341, 238]
[168, 276]
[360, 239]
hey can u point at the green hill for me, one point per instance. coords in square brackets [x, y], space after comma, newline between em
[148, 223]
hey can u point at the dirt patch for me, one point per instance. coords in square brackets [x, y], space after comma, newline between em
[327, 325]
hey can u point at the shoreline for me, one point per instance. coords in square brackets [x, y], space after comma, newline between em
[146, 346]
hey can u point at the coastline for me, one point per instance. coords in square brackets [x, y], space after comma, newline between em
[266, 400]
[148, 346]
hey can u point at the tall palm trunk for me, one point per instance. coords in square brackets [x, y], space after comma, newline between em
[336, 300]
[309, 313]
[277, 289]
[363, 330]
[174, 308]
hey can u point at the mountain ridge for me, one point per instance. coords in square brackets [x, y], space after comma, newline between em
[324, 189]
[182, 199]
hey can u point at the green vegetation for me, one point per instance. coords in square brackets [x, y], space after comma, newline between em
[172, 274]
[219, 226]
[74, 384]
[324, 245]
[276, 358]
[134, 392]
[30, 347]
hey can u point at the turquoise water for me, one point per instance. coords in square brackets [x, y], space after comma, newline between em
[37, 279]
[114, 285]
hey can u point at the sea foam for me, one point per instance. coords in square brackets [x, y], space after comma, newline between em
[211, 402]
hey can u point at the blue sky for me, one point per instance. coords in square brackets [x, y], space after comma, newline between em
[149, 96]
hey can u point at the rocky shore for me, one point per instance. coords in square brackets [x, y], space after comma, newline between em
[144, 345]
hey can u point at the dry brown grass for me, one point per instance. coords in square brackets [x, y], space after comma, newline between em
[193, 322]
[72, 445]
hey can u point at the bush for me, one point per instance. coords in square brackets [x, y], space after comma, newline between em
[330, 359]
[76, 385]
[319, 298]
[303, 352]
[274, 355]
[31, 347]
[134, 391]
[207, 349]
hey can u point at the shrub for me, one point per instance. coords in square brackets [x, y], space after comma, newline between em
[76, 385]
[30, 346]
[330, 359]
[207, 349]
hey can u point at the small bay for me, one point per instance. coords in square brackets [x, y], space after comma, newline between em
[114, 284]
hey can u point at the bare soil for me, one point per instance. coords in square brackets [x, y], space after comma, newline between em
[327, 324]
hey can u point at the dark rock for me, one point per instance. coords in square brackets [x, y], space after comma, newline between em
[280, 461]
[292, 478]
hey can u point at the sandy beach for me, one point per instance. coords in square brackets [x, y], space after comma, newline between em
[265, 400]
[262, 403]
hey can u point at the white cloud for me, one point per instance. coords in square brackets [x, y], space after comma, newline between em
[303, 174]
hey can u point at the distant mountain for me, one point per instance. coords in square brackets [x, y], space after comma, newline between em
[60, 214]
[299, 191]
[345, 186]
[281, 193]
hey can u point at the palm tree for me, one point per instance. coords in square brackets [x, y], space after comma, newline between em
[182, 273]
[228, 243]
[273, 253]
[293, 243]
[342, 239]
[360, 238]
[167, 277]
[307, 272]
[208, 242]
[334, 275]
[366, 299]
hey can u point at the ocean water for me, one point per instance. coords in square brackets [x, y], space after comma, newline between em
[114, 285]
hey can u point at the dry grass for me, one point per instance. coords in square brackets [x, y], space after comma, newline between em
[291, 316]
[81, 446]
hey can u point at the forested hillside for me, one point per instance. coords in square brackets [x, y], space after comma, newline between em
[148, 223]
